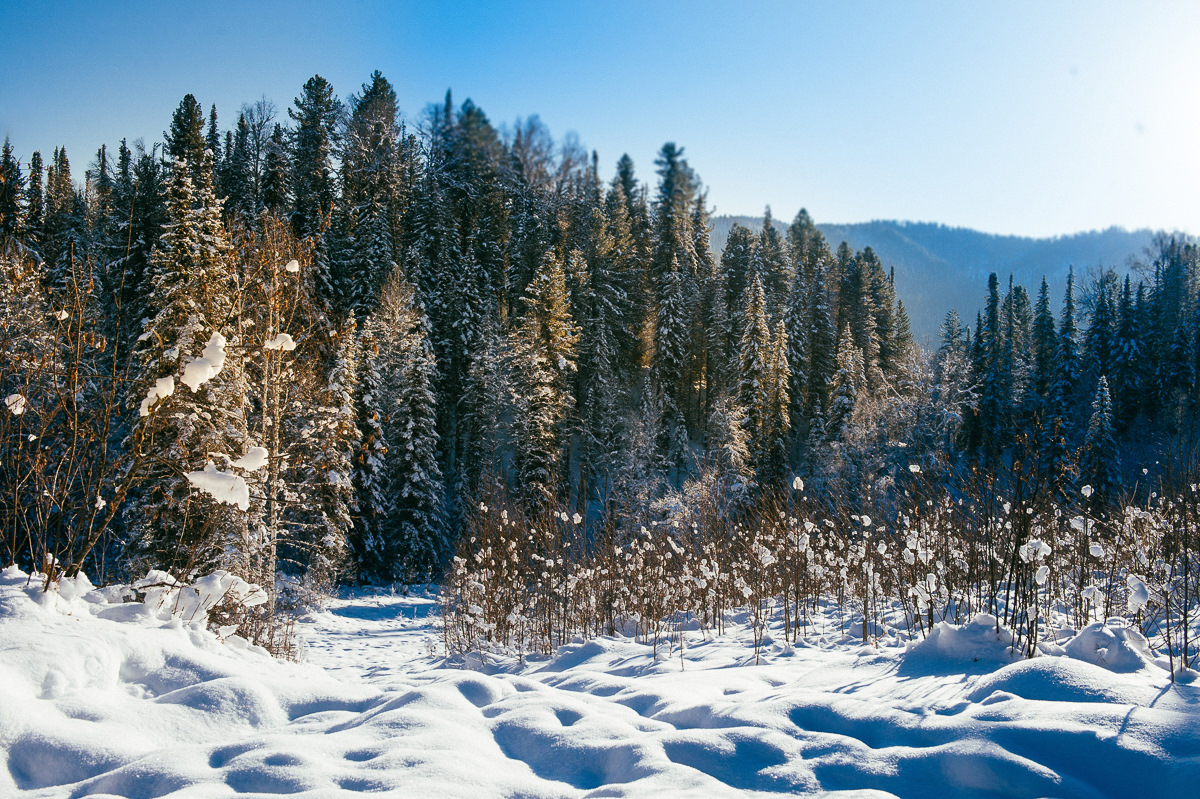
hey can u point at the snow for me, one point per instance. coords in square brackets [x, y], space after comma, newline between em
[15, 404]
[162, 388]
[104, 697]
[254, 459]
[206, 367]
[224, 487]
[283, 341]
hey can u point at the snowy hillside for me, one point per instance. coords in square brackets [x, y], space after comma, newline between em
[108, 698]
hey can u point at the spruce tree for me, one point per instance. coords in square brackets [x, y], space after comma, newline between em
[1067, 374]
[276, 174]
[417, 545]
[822, 353]
[1126, 361]
[316, 115]
[190, 300]
[213, 138]
[849, 384]
[544, 358]
[1098, 464]
[12, 195]
[336, 443]
[1045, 346]
[185, 139]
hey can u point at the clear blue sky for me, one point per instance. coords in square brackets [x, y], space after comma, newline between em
[1029, 118]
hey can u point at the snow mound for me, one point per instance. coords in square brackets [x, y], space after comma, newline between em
[982, 640]
[1118, 649]
[104, 697]
[1061, 679]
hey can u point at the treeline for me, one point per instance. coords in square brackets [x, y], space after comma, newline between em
[1091, 397]
[407, 321]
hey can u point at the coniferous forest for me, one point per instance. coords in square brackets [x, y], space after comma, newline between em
[321, 346]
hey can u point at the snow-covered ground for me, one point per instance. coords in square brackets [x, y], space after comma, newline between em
[103, 698]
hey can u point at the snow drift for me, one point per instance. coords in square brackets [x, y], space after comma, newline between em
[101, 696]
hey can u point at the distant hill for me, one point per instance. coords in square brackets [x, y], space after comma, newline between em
[939, 267]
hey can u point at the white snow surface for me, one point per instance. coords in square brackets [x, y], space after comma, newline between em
[254, 459]
[99, 697]
[231, 489]
[207, 366]
[282, 341]
[162, 388]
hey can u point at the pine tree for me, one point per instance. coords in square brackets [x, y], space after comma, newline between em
[778, 428]
[773, 267]
[64, 231]
[736, 265]
[672, 335]
[728, 449]
[238, 182]
[370, 176]
[802, 241]
[369, 543]
[755, 349]
[994, 377]
[1098, 340]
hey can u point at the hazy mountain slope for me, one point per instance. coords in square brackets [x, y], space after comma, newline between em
[939, 267]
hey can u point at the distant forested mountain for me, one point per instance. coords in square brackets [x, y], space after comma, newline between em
[940, 267]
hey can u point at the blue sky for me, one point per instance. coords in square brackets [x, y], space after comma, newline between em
[1025, 118]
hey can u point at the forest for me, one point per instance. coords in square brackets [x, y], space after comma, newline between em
[323, 348]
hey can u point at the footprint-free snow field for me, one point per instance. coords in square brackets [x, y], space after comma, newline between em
[101, 698]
